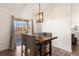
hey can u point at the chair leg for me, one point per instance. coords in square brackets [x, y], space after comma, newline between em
[21, 50]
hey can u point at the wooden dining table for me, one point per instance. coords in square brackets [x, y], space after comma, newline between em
[42, 39]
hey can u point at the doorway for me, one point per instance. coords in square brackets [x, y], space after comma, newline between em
[21, 26]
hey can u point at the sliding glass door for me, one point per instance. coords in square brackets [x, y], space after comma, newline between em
[21, 27]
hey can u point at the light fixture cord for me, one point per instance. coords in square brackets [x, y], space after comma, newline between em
[39, 10]
[39, 7]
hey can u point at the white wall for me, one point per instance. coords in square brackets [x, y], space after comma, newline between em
[5, 26]
[75, 14]
[57, 19]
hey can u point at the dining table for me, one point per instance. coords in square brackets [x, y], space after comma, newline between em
[42, 40]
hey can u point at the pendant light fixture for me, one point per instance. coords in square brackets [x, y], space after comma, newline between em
[39, 15]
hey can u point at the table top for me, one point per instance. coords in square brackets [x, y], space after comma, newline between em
[42, 38]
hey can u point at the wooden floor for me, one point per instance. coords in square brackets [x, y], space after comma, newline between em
[55, 52]
[17, 52]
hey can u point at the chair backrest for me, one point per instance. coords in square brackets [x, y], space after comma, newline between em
[48, 34]
[30, 45]
[45, 33]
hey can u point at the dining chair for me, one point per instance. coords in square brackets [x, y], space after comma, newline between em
[45, 33]
[74, 39]
[31, 48]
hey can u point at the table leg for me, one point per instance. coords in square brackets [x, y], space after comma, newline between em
[40, 49]
[50, 47]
